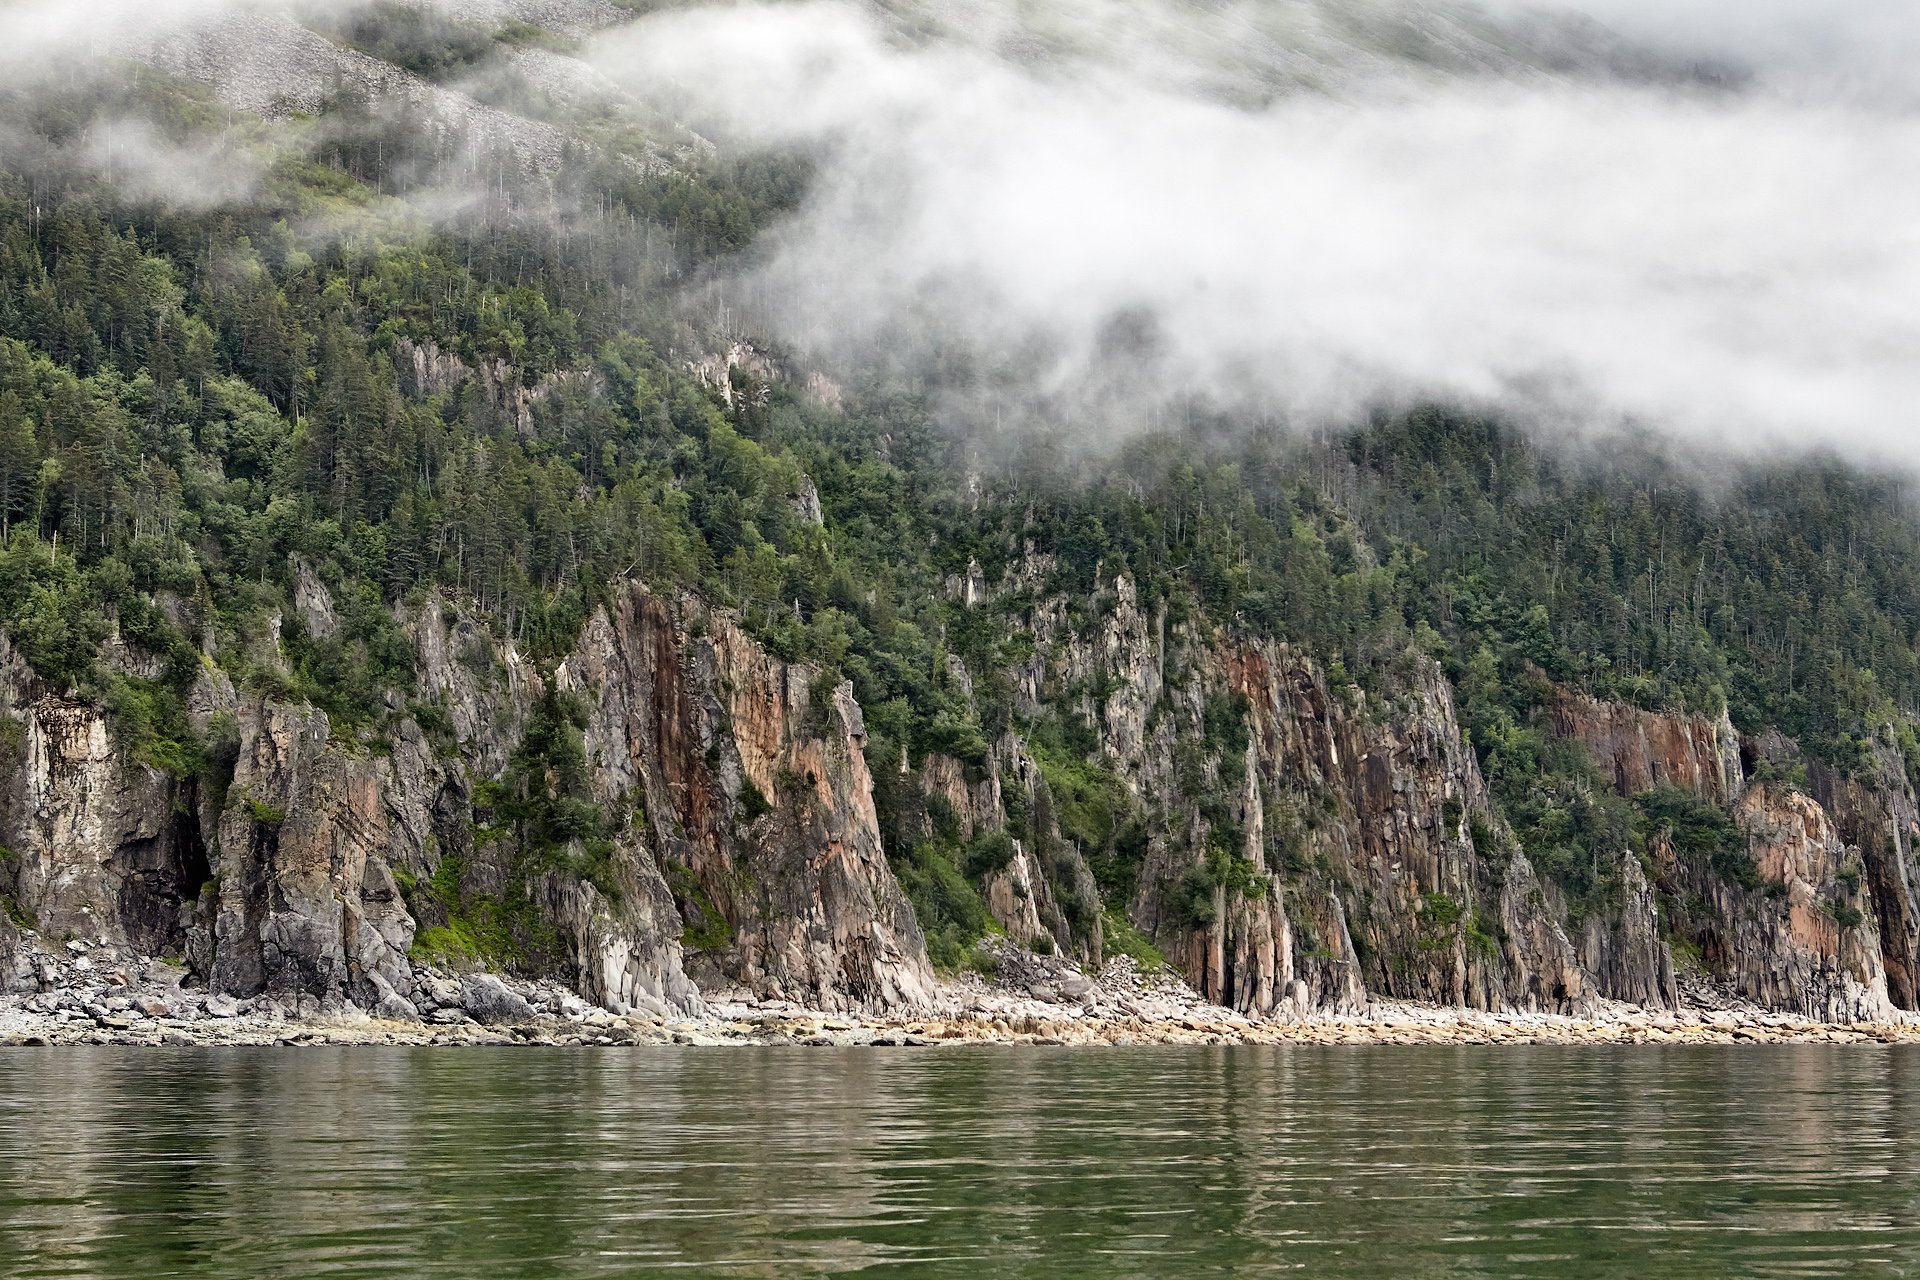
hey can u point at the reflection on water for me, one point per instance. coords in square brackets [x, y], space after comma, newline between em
[455, 1163]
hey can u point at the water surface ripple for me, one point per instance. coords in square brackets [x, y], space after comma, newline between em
[1777, 1161]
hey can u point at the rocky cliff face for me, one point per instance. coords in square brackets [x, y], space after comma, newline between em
[1308, 846]
[1822, 926]
[1626, 951]
[1808, 942]
[1876, 813]
[96, 848]
[759, 803]
[749, 852]
[1289, 842]
[304, 899]
[1301, 847]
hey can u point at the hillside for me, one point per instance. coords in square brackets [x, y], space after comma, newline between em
[407, 558]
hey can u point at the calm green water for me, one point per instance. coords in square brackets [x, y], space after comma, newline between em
[1025, 1162]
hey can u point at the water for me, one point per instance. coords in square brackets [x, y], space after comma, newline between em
[1017, 1162]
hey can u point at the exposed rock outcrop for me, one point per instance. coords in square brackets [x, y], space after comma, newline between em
[1305, 848]
[92, 842]
[1877, 813]
[1289, 842]
[304, 898]
[423, 369]
[311, 870]
[270, 65]
[1640, 750]
[1626, 953]
[1802, 931]
[759, 801]
[1809, 941]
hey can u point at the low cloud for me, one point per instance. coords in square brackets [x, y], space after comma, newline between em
[1592, 213]
[42, 39]
[1863, 50]
[202, 173]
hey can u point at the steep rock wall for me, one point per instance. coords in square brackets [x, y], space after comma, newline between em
[1303, 847]
[313, 864]
[1640, 750]
[1290, 842]
[1828, 928]
[1877, 813]
[1625, 951]
[304, 900]
[1432, 915]
[1809, 942]
[757, 791]
[94, 845]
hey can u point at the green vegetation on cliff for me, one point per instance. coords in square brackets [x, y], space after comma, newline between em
[499, 407]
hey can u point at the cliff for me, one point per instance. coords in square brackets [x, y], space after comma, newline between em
[733, 833]
[1811, 912]
[1640, 750]
[1304, 847]
[672, 810]
[1875, 812]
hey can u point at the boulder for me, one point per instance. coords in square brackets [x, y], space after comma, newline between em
[489, 1000]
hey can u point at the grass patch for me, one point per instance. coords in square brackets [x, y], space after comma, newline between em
[264, 813]
[1122, 939]
[21, 917]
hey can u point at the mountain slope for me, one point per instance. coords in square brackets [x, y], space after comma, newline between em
[387, 579]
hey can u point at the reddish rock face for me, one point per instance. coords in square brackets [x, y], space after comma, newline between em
[1391, 864]
[1808, 941]
[759, 802]
[747, 787]
[1831, 931]
[1876, 812]
[1347, 821]
[1640, 750]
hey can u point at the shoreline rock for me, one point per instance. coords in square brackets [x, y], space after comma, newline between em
[142, 1002]
[1420, 1025]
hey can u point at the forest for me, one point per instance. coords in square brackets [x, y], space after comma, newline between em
[196, 400]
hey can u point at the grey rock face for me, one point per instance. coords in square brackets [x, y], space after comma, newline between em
[1367, 857]
[306, 900]
[297, 892]
[1809, 942]
[100, 849]
[1878, 814]
[1625, 953]
[489, 1000]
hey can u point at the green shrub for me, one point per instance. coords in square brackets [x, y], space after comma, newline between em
[1700, 833]
[950, 911]
[987, 853]
[264, 813]
[704, 928]
[1120, 938]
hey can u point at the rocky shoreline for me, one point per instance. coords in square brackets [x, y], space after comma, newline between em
[144, 1002]
[741, 1025]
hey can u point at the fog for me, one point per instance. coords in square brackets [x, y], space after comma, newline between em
[1862, 49]
[1693, 215]
[44, 38]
